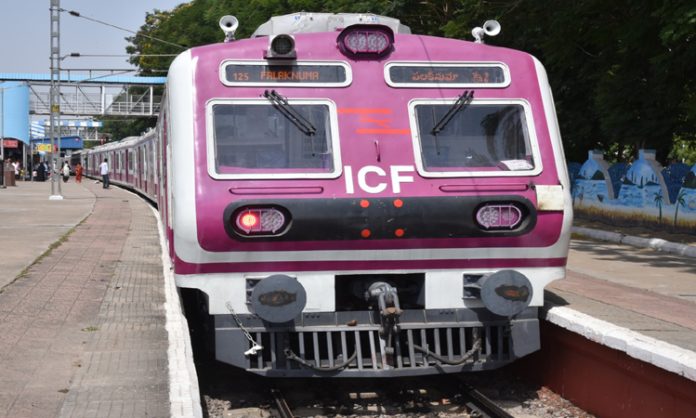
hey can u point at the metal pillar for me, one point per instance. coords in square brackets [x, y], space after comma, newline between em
[2, 138]
[55, 102]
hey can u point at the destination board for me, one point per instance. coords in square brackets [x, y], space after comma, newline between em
[455, 75]
[265, 74]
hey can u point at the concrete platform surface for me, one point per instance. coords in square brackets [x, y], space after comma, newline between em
[638, 300]
[86, 329]
[30, 223]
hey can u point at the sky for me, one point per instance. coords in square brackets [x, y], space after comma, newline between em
[25, 37]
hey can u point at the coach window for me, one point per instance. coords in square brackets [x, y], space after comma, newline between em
[484, 138]
[255, 139]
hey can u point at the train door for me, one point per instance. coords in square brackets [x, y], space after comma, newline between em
[143, 170]
[140, 168]
[129, 166]
[155, 183]
[146, 171]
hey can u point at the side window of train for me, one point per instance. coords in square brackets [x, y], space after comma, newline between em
[253, 138]
[486, 137]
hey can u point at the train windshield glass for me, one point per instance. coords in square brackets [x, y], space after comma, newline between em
[258, 137]
[479, 137]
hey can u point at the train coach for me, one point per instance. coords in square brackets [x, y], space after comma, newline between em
[346, 198]
[133, 163]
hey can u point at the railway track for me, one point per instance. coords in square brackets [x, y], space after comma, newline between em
[231, 393]
[480, 405]
[284, 410]
[471, 402]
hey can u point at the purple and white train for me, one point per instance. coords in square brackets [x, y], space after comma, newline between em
[350, 199]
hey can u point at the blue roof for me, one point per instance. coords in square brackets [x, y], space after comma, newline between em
[108, 79]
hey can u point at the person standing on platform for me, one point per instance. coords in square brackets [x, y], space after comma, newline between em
[66, 172]
[104, 170]
[15, 165]
[78, 173]
[41, 172]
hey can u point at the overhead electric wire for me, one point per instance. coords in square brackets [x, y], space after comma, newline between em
[77, 14]
[122, 55]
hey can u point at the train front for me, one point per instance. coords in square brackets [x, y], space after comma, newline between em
[354, 200]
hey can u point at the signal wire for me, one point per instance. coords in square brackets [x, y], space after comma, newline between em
[77, 14]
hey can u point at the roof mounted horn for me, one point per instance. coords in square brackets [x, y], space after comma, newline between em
[229, 25]
[490, 28]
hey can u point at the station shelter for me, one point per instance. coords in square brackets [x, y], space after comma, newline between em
[14, 120]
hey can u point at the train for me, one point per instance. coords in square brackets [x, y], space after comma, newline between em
[348, 199]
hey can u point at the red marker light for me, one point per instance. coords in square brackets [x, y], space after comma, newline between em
[260, 221]
[365, 233]
[248, 220]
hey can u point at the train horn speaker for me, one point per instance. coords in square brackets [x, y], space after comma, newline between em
[491, 27]
[229, 25]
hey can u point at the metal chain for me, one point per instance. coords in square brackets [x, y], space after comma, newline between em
[254, 346]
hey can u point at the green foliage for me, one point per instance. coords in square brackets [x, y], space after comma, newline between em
[684, 150]
[119, 128]
[622, 72]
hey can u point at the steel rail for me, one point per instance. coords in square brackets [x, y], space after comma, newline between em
[283, 408]
[480, 405]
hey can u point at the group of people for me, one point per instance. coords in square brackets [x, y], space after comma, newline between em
[65, 172]
[42, 172]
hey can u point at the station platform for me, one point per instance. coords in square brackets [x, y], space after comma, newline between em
[631, 298]
[90, 325]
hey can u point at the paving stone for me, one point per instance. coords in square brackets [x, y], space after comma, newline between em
[84, 328]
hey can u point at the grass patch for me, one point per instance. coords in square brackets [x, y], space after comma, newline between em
[53, 246]
[90, 328]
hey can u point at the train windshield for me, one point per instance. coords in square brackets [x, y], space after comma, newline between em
[257, 138]
[479, 137]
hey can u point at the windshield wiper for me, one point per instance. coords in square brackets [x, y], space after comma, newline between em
[281, 103]
[462, 102]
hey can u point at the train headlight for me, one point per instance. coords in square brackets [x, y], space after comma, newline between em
[249, 221]
[281, 46]
[366, 41]
[497, 216]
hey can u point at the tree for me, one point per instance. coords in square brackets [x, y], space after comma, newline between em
[119, 128]
[622, 72]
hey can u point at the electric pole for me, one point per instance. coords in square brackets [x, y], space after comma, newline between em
[54, 162]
